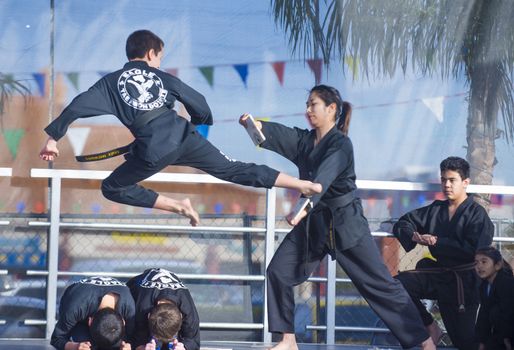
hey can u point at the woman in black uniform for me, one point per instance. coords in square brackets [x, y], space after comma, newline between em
[142, 97]
[335, 225]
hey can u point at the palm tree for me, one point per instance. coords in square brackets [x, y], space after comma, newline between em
[8, 87]
[445, 37]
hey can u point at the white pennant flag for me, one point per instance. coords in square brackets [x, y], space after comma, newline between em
[436, 105]
[78, 138]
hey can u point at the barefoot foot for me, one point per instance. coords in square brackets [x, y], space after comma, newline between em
[186, 209]
[428, 344]
[285, 345]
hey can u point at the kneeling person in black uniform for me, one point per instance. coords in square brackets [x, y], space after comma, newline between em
[95, 312]
[165, 312]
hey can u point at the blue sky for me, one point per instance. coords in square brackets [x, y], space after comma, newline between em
[393, 132]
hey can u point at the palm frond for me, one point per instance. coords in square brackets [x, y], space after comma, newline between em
[445, 37]
[8, 87]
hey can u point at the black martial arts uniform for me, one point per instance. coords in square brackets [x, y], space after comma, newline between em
[457, 240]
[169, 139]
[81, 301]
[495, 320]
[336, 225]
[160, 284]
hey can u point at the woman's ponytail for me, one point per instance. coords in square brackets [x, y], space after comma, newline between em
[343, 123]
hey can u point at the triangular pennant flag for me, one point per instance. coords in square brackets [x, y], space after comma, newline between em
[436, 105]
[12, 138]
[279, 67]
[103, 73]
[242, 69]
[353, 65]
[74, 79]
[78, 138]
[203, 130]
[315, 66]
[40, 81]
[208, 73]
[172, 71]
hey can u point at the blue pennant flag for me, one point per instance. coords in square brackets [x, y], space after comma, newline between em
[40, 81]
[242, 69]
[203, 130]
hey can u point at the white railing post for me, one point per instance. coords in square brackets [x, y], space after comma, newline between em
[330, 306]
[271, 200]
[53, 255]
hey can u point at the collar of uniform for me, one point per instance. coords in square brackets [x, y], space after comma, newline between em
[136, 64]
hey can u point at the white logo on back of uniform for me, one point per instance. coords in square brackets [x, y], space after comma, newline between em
[141, 89]
[101, 281]
[162, 279]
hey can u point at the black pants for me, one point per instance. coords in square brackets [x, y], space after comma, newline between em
[364, 266]
[121, 186]
[459, 325]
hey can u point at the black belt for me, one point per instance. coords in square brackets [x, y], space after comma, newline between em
[331, 204]
[141, 121]
[455, 270]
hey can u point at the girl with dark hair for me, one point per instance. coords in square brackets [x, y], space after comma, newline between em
[335, 225]
[495, 321]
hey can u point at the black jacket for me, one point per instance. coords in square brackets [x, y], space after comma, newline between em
[158, 284]
[81, 300]
[130, 92]
[457, 239]
[495, 319]
[330, 163]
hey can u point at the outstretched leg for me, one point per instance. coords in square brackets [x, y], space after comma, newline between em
[199, 153]
[386, 296]
[121, 187]
[287, 269]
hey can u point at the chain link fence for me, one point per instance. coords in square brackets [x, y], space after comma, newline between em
[195, 256]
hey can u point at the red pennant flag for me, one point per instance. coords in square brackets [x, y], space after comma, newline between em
[315, 66]
[172, 71]
[279, 68]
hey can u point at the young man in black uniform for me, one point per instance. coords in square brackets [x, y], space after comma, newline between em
[142, 98]
[453, 230]
[164, 310]
[95, 312]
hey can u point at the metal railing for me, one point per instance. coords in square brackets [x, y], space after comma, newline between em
[55, 224]
[8, 173]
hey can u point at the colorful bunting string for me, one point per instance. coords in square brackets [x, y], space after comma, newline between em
[315, 66]
[73, 77]
[12, 138]
[172, 71]
[203, 130]
[208, 73]
[436, 106]
[279, 68]
[78, 137]
[242, 70]
[40, 81]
